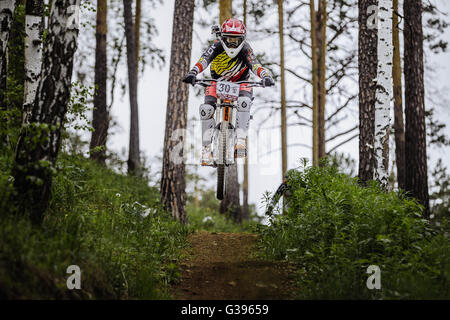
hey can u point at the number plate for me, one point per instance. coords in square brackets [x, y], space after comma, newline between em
[227, 90]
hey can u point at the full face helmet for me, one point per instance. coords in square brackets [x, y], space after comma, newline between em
[232, 36]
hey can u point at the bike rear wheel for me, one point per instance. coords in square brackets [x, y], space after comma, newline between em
[222, 160]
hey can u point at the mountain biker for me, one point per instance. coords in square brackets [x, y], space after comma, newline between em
[231, 58]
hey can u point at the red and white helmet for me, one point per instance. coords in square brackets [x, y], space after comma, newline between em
[232, 36]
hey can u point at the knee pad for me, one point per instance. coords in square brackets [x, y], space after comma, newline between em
[206, 111]
[244, 104]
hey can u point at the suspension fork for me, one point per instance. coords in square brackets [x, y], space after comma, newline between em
[226, 115]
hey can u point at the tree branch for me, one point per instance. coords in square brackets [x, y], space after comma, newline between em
[342, 143]
[342, 134]
[342, 107]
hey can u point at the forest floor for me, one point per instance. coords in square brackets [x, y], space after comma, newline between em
[222, 266]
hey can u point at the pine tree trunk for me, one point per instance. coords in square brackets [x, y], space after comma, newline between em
[225, 10]
[7, 8]
[231, 201]
[230, 204]
[196, 191]
[173, 184]
[367, 60]
[415, 131]
[245, 209]
[134, 151]
[40, 139]
[245, 12]
[283, 91]
[315, 88]
[137, 33]
[321, 32]
[399, 126]
[383, 92]
[100, 119]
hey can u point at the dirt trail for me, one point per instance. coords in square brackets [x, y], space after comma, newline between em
[220, 266]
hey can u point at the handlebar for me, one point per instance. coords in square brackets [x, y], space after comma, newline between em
[207, 82]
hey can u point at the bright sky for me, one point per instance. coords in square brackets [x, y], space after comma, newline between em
[265, 172]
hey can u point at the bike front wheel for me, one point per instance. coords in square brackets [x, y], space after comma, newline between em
[222, 160]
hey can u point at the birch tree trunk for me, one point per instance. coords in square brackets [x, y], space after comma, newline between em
[315, 96]
[134, 151]
[383, 92]
[7, 8]
[173, 184]
[34, 10]
[100, 115]
[367, 64]
[40, 139]
[415, 131]
[399, 126]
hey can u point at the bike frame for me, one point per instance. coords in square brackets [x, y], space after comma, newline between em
[223, 138]
[225, 114]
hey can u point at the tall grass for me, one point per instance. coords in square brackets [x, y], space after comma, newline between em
[334, 229]
[109, 224]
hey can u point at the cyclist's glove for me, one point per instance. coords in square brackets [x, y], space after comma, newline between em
[190, 77]
[268, 81]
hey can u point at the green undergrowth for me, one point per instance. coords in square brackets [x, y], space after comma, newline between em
[334, 229]
[109, 224]
[210, 220]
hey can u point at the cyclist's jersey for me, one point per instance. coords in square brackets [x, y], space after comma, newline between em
[231, 69]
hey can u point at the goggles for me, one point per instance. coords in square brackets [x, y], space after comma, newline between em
[232, 41]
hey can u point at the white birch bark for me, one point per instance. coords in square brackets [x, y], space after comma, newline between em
[40, 137]
[6, 13]
[33, 52]
[384, 91]
[57, 67]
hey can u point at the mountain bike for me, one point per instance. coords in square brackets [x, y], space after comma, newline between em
[224, 136]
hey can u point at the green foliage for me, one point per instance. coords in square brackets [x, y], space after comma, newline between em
[344, 163]
[10, 115]
[209, 220]
[79, 107]
[436, 130]
[435, 26]
[16, 69]
[440, 197]
[109, 224]
[334, 229]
